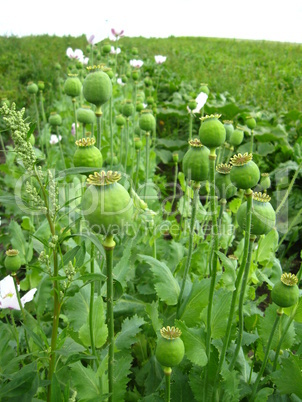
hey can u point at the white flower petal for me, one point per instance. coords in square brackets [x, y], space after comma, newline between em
[28, 296]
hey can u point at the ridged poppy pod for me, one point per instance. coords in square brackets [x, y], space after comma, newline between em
[204, 88]
[55, 119]
[170, 349]
[192, 104]
[87, 155]
[236, 137]
[12, 260]
[139, 106]
[212, 132]
[85, 115]
[265, 181]
[263, 215]
[229, 128]
[128, 108]
[32, 88]
[245, 173]
[146, 120]
[106, 204]
[106, 48]
[285, 293]
[72, 86]
[41, 85]
[138, 143]
[195, 163]
[224, 187]
[97, 88]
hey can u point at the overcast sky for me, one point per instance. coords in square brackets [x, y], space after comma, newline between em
[274, 20]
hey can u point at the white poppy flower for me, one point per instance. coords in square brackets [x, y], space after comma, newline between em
[8, 295]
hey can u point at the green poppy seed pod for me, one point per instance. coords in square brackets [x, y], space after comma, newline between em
[139, 106]
[109, 72]
[12, 260]
[72, 86]
[97, 88]
[87, 155]
[32, 88]
[263, 215]
[124, 79]
[55, 119]
[265, 181]
[224, 187]
[236, 137]
[128, 108]
[135, 74]
[204, 88]
[148, 81]
[229, 128]
[41, 85]
[106, 48]
[58, 66]
[170, 349]
[85, 115]
[212, 132]
[120, 120]
[245, 173]
[106, 204]
[192, 104]
[250, 122]
[134, 51]
[146, 120]
[175, 157]
[138, 143]
[285, 293]
[150, 100]
[140, 96]
[195, 163]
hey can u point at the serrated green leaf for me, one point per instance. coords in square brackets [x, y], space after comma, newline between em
[289, 378]
[130, 328]
[122, 267]
[230, 385]
[121, 372]
[77, 307]
[85, 381]
[268, 246]
[220, 313]
[263, 394]
[152, 311]
[18, 241]
[194, 344]
[100, 330]
[166, 286]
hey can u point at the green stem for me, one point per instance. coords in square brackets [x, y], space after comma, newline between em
[15, 332]
[252, 142]
[127, 143]
[75, 117]
[98, 129]
[190, 125]
[190, 248]
[61, 149]
[175, 184]
[168, 372]
[2, 145]
[293, 222]
[183, 209]
[22, 310]
[121, 144]
[42, 107]
[109, 245]
[111, 132]
[147, 160]
[289, 189]
[37, 114]
[92, 252]
[264, 362]
[238, 280]
[241, 299]
[138, 154]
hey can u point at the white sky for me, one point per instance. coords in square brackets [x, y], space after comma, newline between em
[275, 20]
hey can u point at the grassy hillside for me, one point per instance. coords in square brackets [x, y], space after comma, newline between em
[261, 73]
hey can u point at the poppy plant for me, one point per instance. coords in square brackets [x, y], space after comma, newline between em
[136, 63]
[160, 59]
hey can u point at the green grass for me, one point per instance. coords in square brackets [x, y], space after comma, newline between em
[262, 73]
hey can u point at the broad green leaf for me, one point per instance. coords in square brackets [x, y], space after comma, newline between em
[122, 267]
[263, 394]
[100, 330]
[166, 286]
[221, 307]
[18, 241]
[85, 381]
[22, 385]
[289, 378]
[70, 254]
[164, 155]
[77, 307]
[265, 324]
[197, 300]
[230, 385]
[194, 345]
[130, 328]
[181, 391]
[268, 246]
[43, 294]
[295, 310]
[7, 352]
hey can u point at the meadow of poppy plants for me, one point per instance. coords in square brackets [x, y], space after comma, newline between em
[150, 232]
